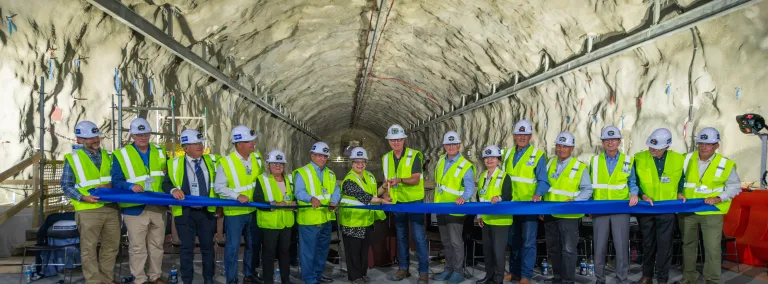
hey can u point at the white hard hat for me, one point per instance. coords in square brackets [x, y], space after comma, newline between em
[451, 137]
[191, 136]
[243, 134]
[708, 135]
[660, 138]
[492, 151]
[523, 127]
[276, 156]
[86, 129]
[321, 148]
[140, 126]
[610, 132]
[358, 153]
[565, 139]
[395, 132]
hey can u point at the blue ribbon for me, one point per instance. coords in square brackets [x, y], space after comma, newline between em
[472, 208]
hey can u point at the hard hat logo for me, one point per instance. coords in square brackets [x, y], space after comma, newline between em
[654, 142]
[279, 157]
[141, 128]
[611, 132]
[326, 150]
[184, 139]
[488, 152]
[77, 131]
[395, 131]
[669, 141]
[238, 136]
[199, 136]
[451, 138]
[359, 154]
[562, 139]
[522, 129]
[704, 136]
[252, 132]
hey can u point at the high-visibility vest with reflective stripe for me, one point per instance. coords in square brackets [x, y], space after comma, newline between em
[487, 190]
[322, 190]
[711, 184]
[523, 173]
[664, 188]
[177, 172]
[449, 186]
[359, 217]
[135, 172]
[403, 192]
[239, 181]
[87, 176]
[565, 186]
[278, 218]
[613, 186]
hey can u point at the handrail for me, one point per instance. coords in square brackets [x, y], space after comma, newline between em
[19, 206]
[20, 166]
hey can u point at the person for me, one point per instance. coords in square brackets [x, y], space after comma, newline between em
[141, 167]
[613, 178]
[192, 174]
[713, 178]
[97, 222]
[494, 186]
[275, 187]
[569, 181]
[236, 174]
[454, 176]
[316, 187]
[359, 188]
[402, 173]
[526, 166]
[659, 172]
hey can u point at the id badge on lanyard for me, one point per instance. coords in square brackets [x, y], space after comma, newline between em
[194, 188]
[665, 179]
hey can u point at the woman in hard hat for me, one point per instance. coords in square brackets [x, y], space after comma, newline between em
[359, 188]
[494, 185]
[274, 187]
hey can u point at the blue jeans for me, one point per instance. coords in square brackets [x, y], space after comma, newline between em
[314, 242]
[417, 224]
[522, 241]
[237, 227]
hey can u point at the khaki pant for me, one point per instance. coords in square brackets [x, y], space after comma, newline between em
[712, 233]
[146, 234]
[104, 223]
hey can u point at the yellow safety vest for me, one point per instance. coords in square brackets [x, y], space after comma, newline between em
[523, 173]
[566, 185]
[135, 172]
[177, 172]
[711, 184]
[449, 185]
[239, 181]
[87, 176]
[613, 186]
[351, 217]
[489, 189]
[278, 218]
[403, 192]
[320, 190]
[664, 188]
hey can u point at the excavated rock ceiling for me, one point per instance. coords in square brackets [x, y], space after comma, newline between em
[310, 57]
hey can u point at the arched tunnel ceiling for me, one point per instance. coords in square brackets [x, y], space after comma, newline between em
[311, 54]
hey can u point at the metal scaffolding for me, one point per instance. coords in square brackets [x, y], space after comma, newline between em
[117, 121]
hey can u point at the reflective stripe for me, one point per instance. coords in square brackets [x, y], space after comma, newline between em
[106, 179]
[627, 163]
[268, 186]
[708, 191]
[689, 184]
[128, 164]
[258, 159]
[506, 158]
[459, 168]
[685, 164]
[408, 159]
[609, 186]
[137, 179]
[451, 190]
[175, 168]
[564, 193]
[81, 173]
[575, 169]
[321, 197]
[160, 153]
[156, 173]
[243, 188]
[88, 183]
[487, 200]
[386, 166]
[533, 155]
[550, 162]
[523, 180]
[595, 168]
[311, 182]
[720, 167]
[232, 170]
[350, 201]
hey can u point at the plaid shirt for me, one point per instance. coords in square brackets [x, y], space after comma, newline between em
[68, 176]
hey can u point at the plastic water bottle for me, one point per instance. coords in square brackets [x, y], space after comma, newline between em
[28, 273]
[127, 279]
[276, 277]
[545, 267]
[591, 268]
[583, 270]
[173, 277]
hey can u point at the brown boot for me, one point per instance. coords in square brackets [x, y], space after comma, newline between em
[159, 281]
[400, 275]
[423, 278]
[511, 277]
[645, 280]
[525, 281]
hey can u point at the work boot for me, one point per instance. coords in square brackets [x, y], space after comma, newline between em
[442, 276]
[455, 278]
[644, 280]
[488, 279]
[511, 277]
[423, 278]
[251, 279]
[525, 281]
[400, 275]
[366, 279]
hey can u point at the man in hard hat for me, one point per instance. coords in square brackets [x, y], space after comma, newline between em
[711, 177]
[141, 167]
[86, 169]
[192, 174]
[569, 181]
[494, 185]
[659, 172]
[526, 166]
[402, 171]
[454, 176]
[613, 178]
[276, 188]
[236, 174]
[316, 185]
